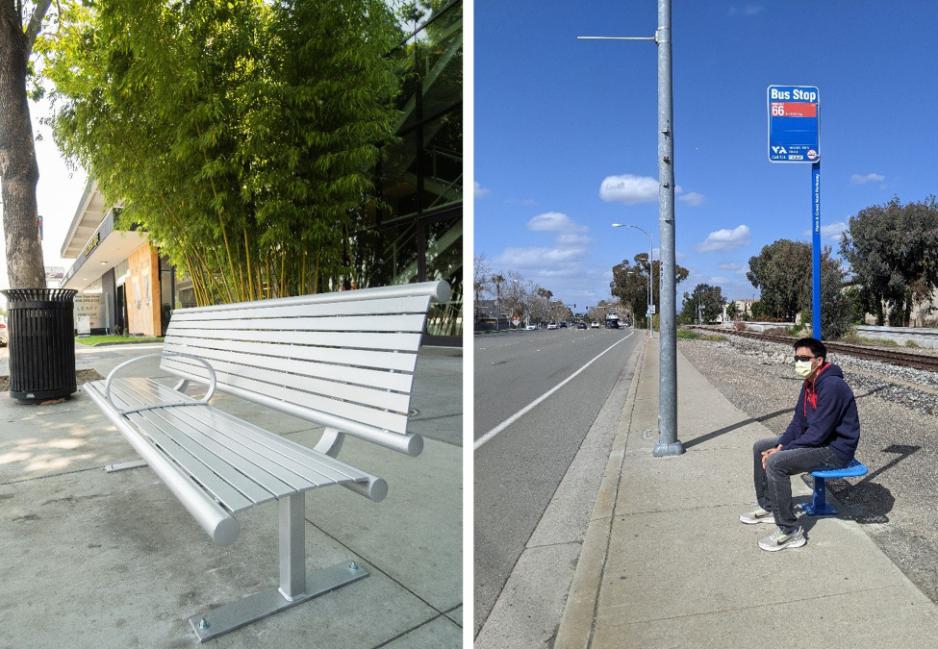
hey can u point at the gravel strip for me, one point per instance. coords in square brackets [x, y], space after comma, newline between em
[896, 502]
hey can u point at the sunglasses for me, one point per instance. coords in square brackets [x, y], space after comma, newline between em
[805, 358]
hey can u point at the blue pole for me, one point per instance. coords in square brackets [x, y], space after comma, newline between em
[816, 250]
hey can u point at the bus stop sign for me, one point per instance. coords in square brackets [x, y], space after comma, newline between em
[794, 135]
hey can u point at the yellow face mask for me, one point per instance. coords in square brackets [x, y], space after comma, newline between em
[803, 369]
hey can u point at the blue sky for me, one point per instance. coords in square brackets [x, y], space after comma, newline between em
[555, 118]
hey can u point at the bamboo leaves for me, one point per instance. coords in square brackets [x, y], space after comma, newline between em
[241, 135]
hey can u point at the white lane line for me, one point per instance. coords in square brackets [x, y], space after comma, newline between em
[518, 415]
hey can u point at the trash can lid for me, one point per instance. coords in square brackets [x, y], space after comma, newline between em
[39, 294]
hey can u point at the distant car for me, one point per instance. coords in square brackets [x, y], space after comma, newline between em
[594, 325]
[581, 325]
[531, 327]
[563, 325]
[551, 325]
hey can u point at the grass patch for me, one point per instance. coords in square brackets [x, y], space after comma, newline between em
[690, 334]
[912, 344]
[854, 339]
[94, 341]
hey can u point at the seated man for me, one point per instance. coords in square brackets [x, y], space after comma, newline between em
[823, 434]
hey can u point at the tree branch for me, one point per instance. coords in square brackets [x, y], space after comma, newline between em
[35, 24]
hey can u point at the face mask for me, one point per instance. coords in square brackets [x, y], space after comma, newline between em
[803, 368]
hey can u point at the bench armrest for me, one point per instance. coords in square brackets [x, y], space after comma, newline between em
[113, 373]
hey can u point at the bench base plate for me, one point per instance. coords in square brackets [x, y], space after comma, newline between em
[235, 615]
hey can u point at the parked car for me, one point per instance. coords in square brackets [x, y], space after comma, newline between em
[531, 327]
[551, 325]
[581, 325]
[563, 325]
[594, 325]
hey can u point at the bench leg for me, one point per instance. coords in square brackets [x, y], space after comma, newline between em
[123, 466]
[296, 585]
[819, 505]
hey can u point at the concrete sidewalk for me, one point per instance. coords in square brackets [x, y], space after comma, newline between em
[96, 560]
[666, 563]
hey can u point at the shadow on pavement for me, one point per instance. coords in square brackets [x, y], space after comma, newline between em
[760, 418]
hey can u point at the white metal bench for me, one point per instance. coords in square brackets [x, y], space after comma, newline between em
[342, 360]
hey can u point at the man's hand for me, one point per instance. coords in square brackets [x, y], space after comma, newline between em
[766, 454]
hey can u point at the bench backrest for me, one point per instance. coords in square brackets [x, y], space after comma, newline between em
[344, 360]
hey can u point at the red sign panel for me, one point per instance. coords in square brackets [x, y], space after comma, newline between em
[793, 109]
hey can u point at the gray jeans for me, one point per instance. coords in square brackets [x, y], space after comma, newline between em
[773, 483]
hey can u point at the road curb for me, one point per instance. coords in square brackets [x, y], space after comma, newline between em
[576, 624]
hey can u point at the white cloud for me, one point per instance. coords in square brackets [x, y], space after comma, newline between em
[729, 266]
[832, 231]
[553, 222]
[693, 199]
[725, 239]
[858, 179]
[747, 10]
[573, 239]
[536, 257]
[628, 189]
[480, 191]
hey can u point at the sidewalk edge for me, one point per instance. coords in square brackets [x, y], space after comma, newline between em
[576, 624]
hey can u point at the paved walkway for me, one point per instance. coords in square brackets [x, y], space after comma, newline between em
[96, 560]
[665, 562]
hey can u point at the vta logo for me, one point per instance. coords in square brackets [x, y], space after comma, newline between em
[779, 150]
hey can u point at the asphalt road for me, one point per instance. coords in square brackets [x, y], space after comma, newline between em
[518, 470]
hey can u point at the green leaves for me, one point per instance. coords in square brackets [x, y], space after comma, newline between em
[242, 134]
[893, 251]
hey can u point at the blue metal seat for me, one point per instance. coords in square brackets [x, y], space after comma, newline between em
[819, 505]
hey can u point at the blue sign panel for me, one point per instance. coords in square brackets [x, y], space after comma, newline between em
[793, 112]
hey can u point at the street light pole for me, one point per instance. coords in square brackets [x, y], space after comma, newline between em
[651, 274]
[668, 443]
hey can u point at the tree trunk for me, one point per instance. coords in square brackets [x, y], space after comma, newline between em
[19, 172]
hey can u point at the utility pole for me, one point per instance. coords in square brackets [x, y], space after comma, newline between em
[668, 443]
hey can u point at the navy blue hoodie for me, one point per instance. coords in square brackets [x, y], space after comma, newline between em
[826, 415]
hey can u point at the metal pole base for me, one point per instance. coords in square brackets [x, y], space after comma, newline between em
[663, 450]
[255, 607]
[123, 466]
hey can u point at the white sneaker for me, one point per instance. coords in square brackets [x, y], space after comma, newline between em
[758, 515]
[779, 540]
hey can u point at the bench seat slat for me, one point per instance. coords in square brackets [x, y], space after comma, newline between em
[404, 362]
[387, 341]
[227, 372]
[382, 420]
[397, 381]
[229, 497]
[253, 467]
[390, 306]
[313, 467]
[380, 323]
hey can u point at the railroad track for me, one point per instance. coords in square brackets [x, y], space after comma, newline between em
[883, 355]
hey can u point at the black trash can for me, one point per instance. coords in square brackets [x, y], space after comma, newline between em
[41, 326]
